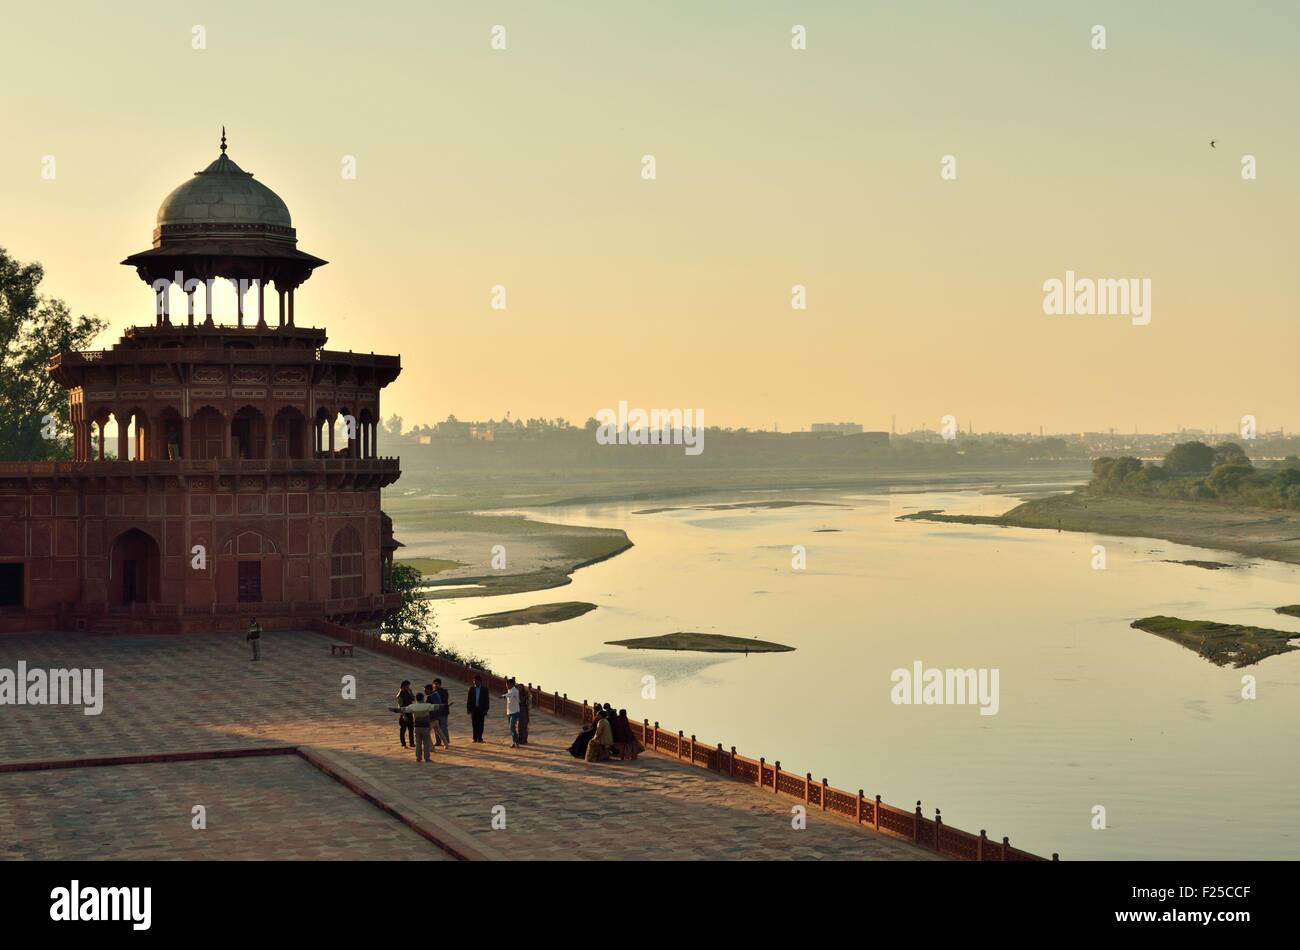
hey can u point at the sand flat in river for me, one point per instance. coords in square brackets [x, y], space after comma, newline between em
[701, 643]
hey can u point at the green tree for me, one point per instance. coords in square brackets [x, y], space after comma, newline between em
[33, 329]
[1189, 458]
[1226, 480]
[411, 624]
[1110, 474]
[1230, 453]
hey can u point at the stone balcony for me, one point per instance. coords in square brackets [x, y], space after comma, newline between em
[377, 472]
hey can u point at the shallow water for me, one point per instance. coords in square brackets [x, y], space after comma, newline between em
[1091, 712]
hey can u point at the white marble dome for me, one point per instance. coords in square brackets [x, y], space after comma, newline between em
[223, 193]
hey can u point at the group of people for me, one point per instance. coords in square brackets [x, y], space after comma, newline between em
[423, 720]
[609, 734]
[423, 717]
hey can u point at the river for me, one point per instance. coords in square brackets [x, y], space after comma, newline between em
[1091, 713]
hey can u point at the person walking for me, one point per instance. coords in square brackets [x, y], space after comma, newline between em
[405, 725]
[441, 701]
[512, 711]
[255, 638]
[421, 714]
[477, 706]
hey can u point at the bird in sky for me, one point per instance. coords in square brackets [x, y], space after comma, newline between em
[1212, 141]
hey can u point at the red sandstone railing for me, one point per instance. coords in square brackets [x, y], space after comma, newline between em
[238, 466]
[280, 356]
[281, 615]
[912, 826]
[343, 605]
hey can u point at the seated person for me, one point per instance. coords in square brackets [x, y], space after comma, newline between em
[579, 747]
[601, 740]
[626, 744]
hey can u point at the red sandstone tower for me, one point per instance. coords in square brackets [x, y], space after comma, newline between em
[246, 480]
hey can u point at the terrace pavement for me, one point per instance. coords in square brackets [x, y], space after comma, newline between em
[201, 692]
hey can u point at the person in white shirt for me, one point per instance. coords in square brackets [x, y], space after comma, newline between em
[421, 714]
[512, 712]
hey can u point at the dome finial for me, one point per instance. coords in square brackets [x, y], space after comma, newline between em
[223, 140]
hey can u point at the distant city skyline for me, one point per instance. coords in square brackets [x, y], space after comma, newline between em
[1191, 431]
[776, 169]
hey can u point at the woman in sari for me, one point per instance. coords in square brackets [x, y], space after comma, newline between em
[626, 743]
[579, 747]
[601, 740]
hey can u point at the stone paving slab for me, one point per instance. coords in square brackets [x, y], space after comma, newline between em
[277, 808]
[201, 692]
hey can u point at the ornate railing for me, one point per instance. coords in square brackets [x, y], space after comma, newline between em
[930, 833]
[238, 466]
[282, 356]
[344, 605]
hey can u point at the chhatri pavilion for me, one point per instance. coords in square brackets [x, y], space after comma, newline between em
[244, 479]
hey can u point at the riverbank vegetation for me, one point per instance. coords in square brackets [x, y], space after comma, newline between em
[1194, 471]
[1202, 496]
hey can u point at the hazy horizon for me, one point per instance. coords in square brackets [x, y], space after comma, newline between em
[775, 167]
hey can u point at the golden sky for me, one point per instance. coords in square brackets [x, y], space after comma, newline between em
[775, 167]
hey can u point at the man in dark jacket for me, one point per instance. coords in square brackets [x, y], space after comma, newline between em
[405, 725]
[434, 693]
[477, 706]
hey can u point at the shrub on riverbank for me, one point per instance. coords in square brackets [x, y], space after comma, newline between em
[1194, 471]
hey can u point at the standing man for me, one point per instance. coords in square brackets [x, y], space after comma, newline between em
[512, 711]
[255, 638]
[477, 706]
[523, 715]
[420, 713]
[441, 700]
[405, 725]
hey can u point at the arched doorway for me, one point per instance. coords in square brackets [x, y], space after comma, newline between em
[208, 434]
[249, 569]
[366, 431]
[171, 434]
[134, 568]
[344, 426]
[248, 434]
[321, 427]
[288, 435]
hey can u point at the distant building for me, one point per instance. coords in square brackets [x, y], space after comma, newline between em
[494, 431]
[452, 428]
[838, 428]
